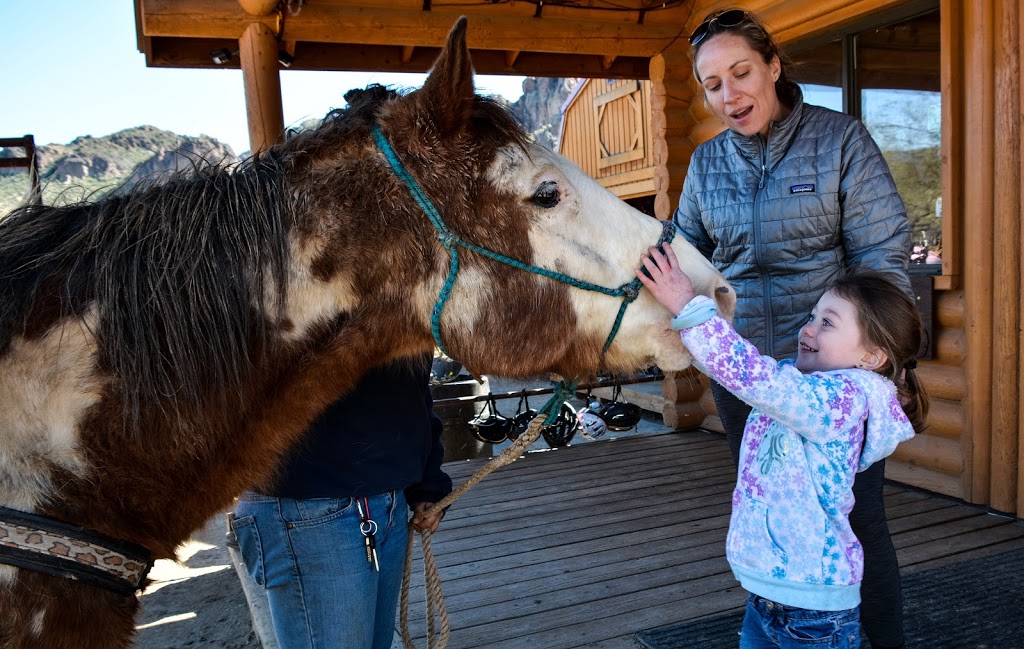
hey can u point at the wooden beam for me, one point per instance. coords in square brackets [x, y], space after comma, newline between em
[510, 57]
[258, 55]
[407, 51]
[671, 95]
[258, 7]
[797, 19]
[195, 53]
[1020, 283]
[328, 23]
[607, 61]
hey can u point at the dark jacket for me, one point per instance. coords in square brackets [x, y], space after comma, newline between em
[781, 218]
[382, 436]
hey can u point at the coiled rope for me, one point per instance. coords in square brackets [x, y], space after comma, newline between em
[438, 638]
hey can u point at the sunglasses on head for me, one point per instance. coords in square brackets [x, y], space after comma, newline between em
[725, 20]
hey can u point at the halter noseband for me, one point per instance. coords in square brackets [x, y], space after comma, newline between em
[628, 291]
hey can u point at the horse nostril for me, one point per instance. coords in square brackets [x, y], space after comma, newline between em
[722, 289]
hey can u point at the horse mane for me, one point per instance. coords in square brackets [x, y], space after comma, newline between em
[172, 277]
[490, 121]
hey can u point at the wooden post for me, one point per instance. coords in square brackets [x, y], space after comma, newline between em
[979, 137]
[1006, 261]
[1020, 266]
[674, 97]
[671, 95]
[261, 77]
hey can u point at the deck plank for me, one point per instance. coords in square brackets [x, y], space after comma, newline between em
[584, 546]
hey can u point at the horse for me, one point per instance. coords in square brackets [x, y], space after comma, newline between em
[162, 347]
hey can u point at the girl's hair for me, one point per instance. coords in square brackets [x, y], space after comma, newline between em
[889, 320]
[756, 34]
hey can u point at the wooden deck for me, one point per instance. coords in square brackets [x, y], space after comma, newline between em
[586, 545]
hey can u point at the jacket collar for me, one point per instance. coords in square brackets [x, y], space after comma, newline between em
[780, 136]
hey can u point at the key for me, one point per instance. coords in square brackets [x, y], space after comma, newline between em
[371, 551]
[369, 548]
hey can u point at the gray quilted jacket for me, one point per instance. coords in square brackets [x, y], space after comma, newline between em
[781, 217]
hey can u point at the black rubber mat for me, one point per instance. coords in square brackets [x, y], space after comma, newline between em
[975, 604]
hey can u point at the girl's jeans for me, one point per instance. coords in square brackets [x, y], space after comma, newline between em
[310, 556]
[770, 625]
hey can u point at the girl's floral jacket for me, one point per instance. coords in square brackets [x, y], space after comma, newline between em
[808, 435]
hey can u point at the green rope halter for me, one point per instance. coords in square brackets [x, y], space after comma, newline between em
[628, 291]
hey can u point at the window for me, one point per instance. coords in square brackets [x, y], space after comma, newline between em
[888, 76]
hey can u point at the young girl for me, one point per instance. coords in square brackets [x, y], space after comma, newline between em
[815, 423]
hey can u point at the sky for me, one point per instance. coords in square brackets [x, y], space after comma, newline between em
[71, 67]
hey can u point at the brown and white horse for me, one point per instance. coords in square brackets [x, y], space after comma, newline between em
[161, 348]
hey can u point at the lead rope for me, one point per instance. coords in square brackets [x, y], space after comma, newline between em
[432, 581]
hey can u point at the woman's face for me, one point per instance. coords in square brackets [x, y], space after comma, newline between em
[738, 84]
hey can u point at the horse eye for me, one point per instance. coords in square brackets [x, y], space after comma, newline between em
[546, 195]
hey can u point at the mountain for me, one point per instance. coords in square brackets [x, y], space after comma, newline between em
[92, 166]
[89, 167]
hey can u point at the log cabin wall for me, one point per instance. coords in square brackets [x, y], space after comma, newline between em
[973, 444]
[986, 48]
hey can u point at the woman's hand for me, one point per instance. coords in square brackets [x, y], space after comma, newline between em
[664, 279]
[422, 523]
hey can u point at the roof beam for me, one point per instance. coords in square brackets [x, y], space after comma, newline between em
[324, 23]
[195, 53]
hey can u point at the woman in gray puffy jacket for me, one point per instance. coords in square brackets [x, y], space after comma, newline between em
[788, 197]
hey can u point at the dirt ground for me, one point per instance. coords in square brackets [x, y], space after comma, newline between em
[198, 602]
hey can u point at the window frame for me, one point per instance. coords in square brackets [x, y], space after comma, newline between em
[946, 275]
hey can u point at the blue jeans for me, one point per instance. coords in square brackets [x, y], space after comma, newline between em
[310, 556]
[769, 624]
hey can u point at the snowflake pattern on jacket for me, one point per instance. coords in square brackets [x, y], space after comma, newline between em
[789, 535]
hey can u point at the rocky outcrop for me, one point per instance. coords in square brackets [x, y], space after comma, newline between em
[539, 109]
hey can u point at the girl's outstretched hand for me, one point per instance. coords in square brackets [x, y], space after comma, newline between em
[664, 279]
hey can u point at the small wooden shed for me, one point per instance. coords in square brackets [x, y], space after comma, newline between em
[970, 50]
[606, 130]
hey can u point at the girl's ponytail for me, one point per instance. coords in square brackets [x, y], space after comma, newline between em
[913, 397]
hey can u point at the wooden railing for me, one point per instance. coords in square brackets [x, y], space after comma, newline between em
[28, 161]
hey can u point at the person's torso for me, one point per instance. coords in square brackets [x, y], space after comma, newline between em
[375, 439]
[772, 209]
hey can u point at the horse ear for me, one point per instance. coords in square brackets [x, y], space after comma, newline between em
[448, 90]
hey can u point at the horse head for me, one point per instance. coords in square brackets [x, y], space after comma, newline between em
[544, 253]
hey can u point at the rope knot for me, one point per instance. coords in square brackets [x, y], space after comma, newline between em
[631, 291]
[448, 239]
